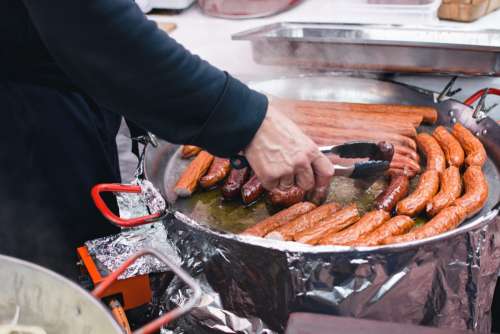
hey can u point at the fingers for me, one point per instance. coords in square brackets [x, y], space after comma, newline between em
[323, 171]
[286, 182]
[305, 177]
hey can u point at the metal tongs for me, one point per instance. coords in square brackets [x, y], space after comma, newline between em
[379, 155]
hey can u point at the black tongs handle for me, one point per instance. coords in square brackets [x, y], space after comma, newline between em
[239, 162]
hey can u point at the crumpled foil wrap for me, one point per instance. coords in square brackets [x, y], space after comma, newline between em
[250, 288]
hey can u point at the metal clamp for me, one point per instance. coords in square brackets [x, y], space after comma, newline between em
[165, 319]
[447, 91]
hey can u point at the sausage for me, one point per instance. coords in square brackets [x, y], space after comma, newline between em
[394, 226]
[234, 182]
[476, 191]
[427, 187]
[402, 162]
[286, 198]
[452, 149]
[396, 191]
[447, 219]
[218, 171]
[288, 231]
[474, 149]
[188, 181]
[252, 190]
[369, 222]
[451, 189]
[189, 151]
[271, 223]
[433, 152]
[407, 152]
[394, 172]
[334, 223]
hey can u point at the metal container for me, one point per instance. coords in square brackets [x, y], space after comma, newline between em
[377, 48]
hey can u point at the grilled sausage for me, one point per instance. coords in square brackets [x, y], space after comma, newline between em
[394, 172]
[476, 191]
[474, 149]
[394, 226]
[218, 171]
[369, 222]
[433, 152]
[288, 231]
[271, 223]
[402, 162]
[336, 222]
[286, 198]
[188, 181]
[252, 190]
[189, 151]
[427, 187]
[407, 152]
[234, 182]
[447, 219]
[396, 191]
[451, 147]
[451, 188]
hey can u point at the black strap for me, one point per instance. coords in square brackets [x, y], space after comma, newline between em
[135, 132]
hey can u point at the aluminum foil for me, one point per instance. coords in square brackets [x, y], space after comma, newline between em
[252, 289]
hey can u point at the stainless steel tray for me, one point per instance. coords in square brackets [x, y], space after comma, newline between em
[376, 48]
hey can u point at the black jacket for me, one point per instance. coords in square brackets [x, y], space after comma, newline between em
[109, 50]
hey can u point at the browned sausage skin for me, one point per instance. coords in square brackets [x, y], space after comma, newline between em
[189, 151]
[427, 187]
[451, 189]
[188, 181]
[286, 198]
[252, 190]
[288, 231]
[393, 227]
[283, 217]
[216, 173]
[451, 147]
[369, 222]
[432, 151]
[447, 219]
[476, 154]
[476, 191]
[398, 189]
[234, 182]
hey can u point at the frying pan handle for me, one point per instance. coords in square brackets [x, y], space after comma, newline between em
[155, 325]
[120, 188]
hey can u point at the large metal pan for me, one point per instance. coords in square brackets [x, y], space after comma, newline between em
[445, 281]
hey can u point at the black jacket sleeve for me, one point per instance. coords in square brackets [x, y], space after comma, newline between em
[128, 65]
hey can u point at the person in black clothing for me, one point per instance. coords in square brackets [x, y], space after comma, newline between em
[69, 69]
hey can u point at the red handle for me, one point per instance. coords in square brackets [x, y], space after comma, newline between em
[155, 325]
[477, 95]
[119, 188]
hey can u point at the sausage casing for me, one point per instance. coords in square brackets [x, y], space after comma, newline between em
[474, 149]
[216, 173]
[447, 219]
[394, 226]
[252, 190]
[369, 222]
[189, 151]
[288, 231]
[397, 190]
[451, 189]
[336, 222]
[188, 181]
[234, 182]
[476, 191]
[427, 187]
[432, 151]
[286, 198]
[271, 223]
[452, 149]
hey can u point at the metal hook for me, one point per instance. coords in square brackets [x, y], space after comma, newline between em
[447, 91]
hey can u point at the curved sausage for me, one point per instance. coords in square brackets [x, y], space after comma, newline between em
[451, 147]
[447, 219]
[476, 154]
[394, 226]
[402, 162]
[189, 151]
[288, 231]
[451, 189]
[336, 222]
[396, 191]
[286, 198]
[394, 172]
[217, 172]
[407, 152]
[269, 224]
[369, 222]
[476, 191]
[195, 170]
[427, 187]
[252, 190]
[433, 152]
[234, 182]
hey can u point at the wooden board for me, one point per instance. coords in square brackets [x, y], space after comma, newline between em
[466, 10]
